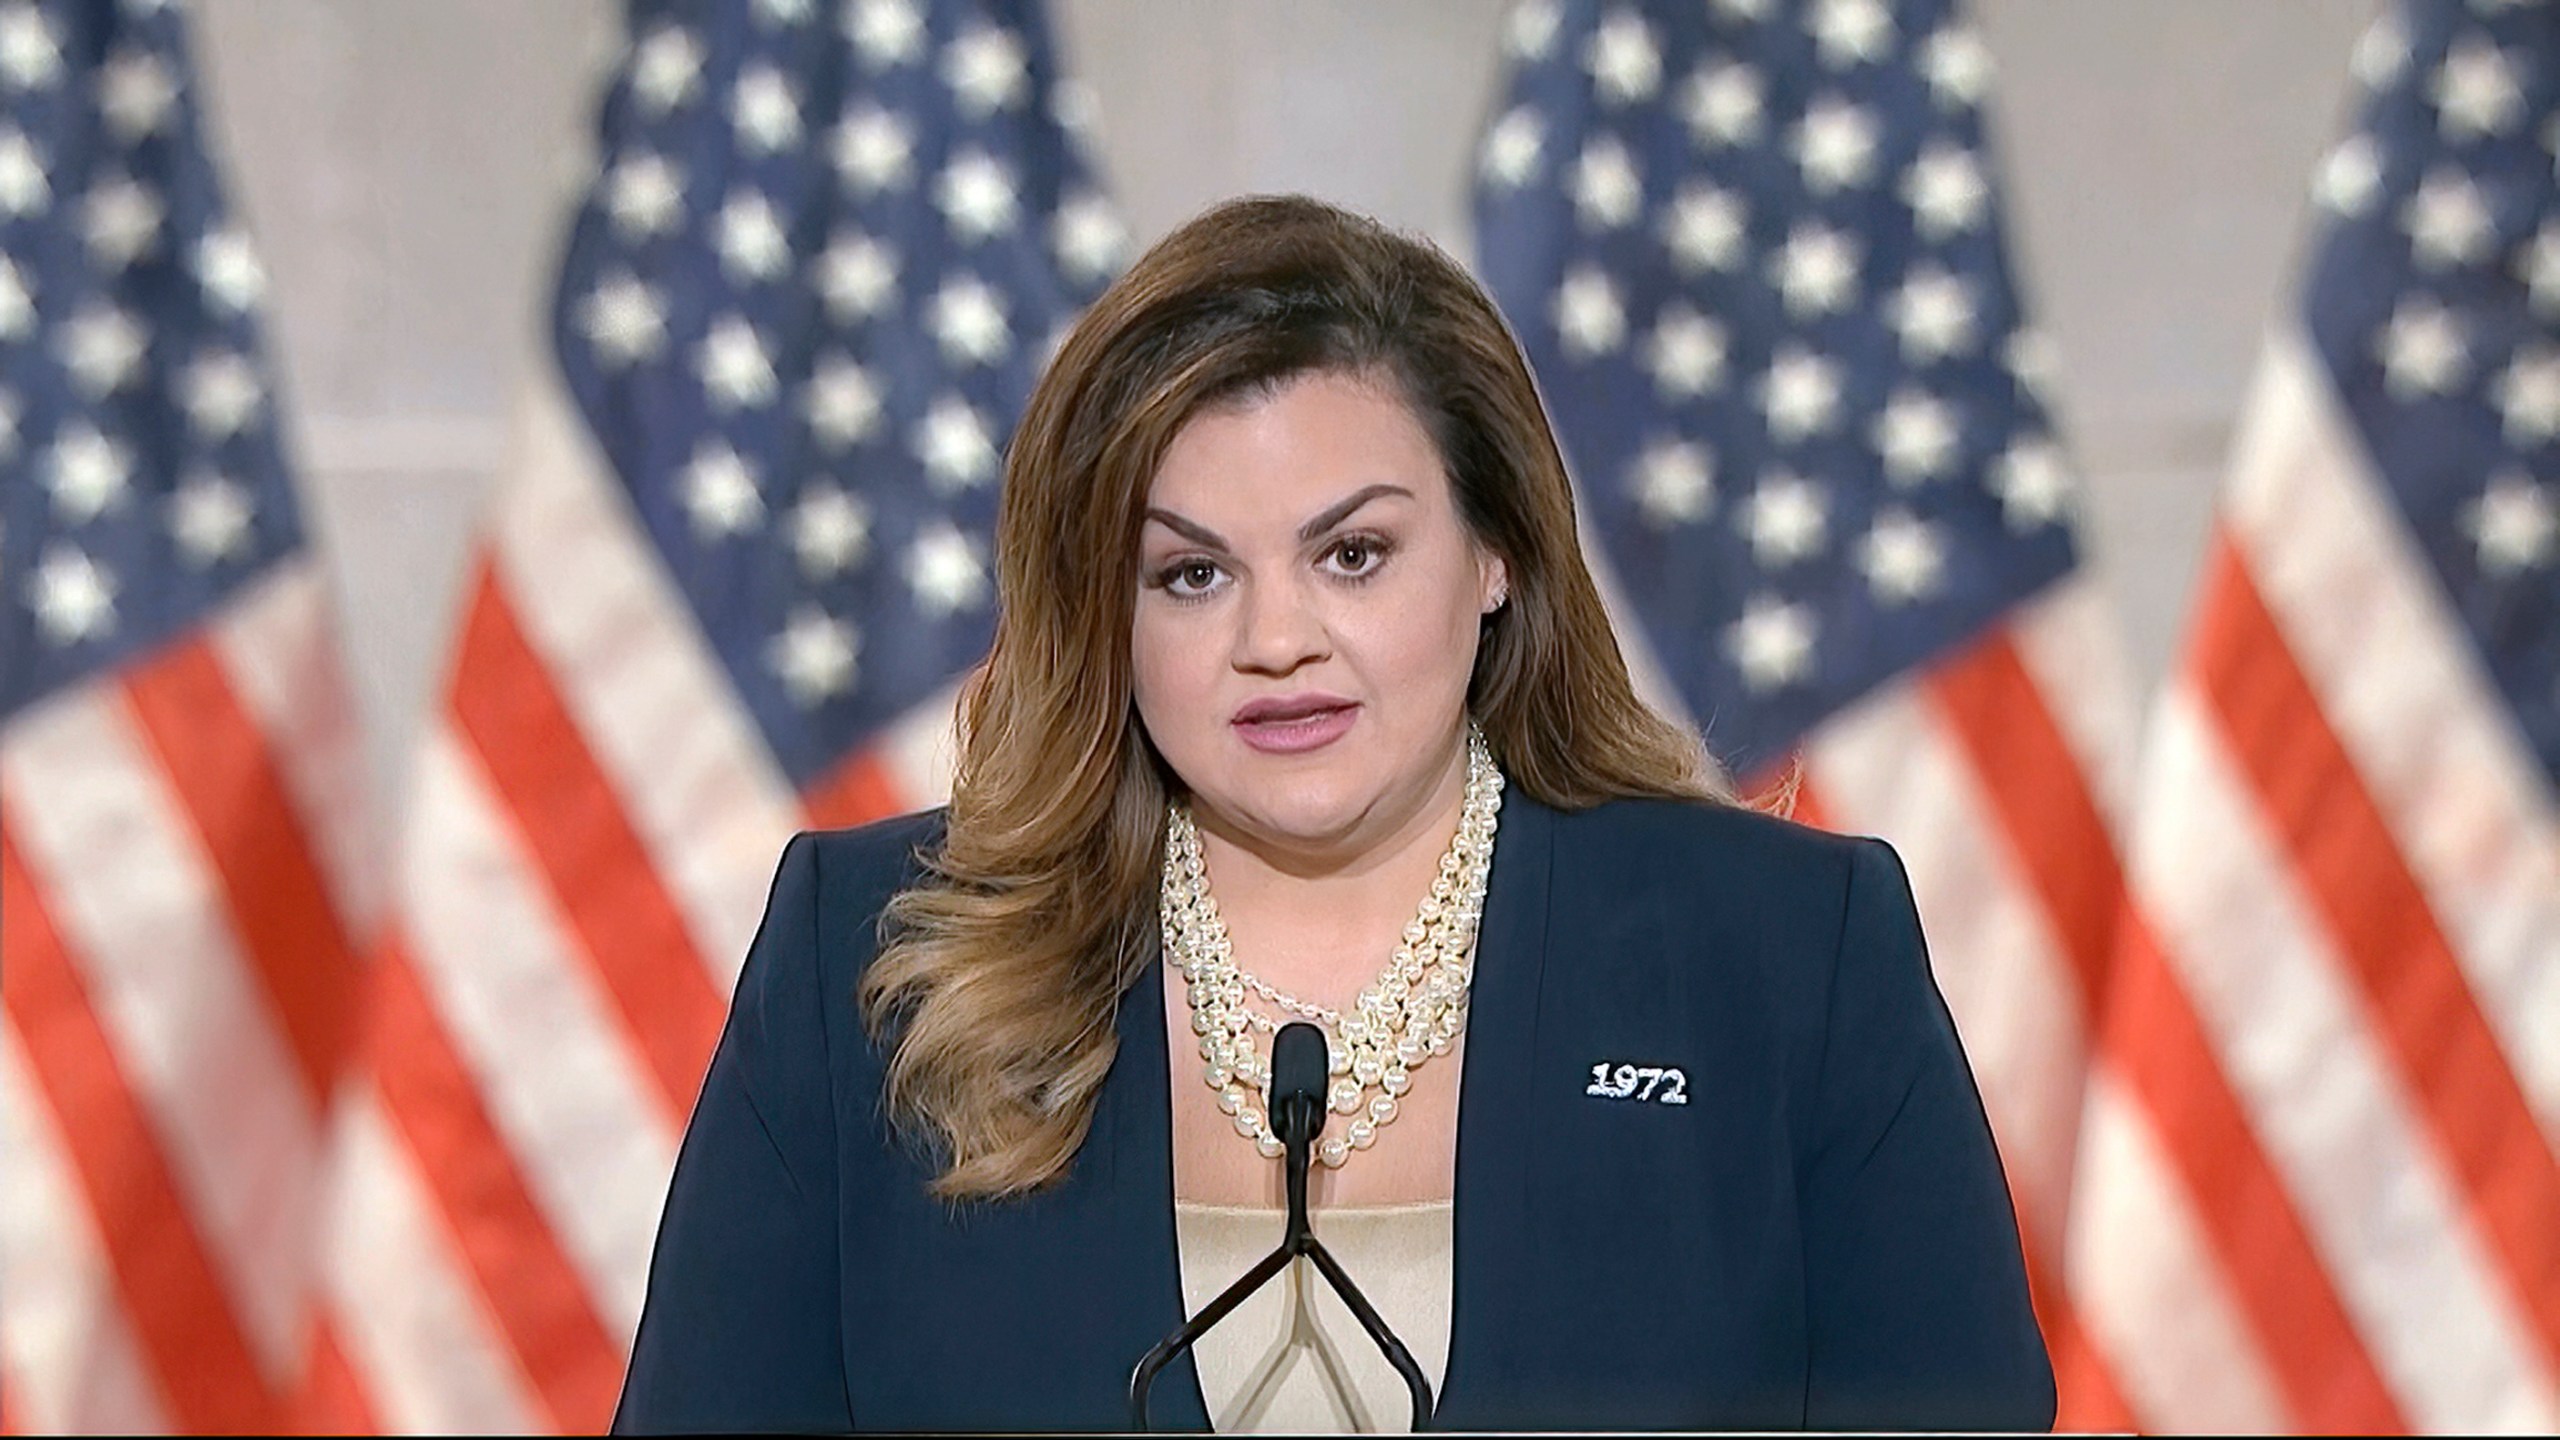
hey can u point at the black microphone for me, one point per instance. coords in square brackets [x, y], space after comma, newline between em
[1300, 1063]
[1299, 1066]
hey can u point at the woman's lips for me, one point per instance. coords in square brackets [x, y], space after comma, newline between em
[1298, 733]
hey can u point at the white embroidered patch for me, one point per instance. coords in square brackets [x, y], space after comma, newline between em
[1659, 1084]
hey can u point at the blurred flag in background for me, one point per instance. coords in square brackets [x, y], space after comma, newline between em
[742, 557]
[1755, 253]
[2348, 855]
[180, 807]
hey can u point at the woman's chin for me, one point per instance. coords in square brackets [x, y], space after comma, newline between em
[1307, 817]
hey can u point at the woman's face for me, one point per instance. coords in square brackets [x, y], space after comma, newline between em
[1307, 615]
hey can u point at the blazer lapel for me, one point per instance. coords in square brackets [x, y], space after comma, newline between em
[1495, 1141]
[1139, 1113]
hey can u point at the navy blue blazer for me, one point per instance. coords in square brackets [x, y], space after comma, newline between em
[1820, 1237]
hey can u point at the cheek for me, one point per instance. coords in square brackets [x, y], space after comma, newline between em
[1428, 632]
[1168, 678]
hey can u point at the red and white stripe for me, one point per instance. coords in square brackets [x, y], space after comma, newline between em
[398, 1279]
[180, 843]
[2147, 1276]
[2345, 869]
[522, 999]
[637, 680]
[586, 854]
[1997, 774]
[73, 1361]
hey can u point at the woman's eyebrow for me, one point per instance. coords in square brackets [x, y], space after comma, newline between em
[1192, 531]
[1199, 534]
[1339, 513]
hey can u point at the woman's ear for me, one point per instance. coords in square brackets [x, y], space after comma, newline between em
[1495, 584]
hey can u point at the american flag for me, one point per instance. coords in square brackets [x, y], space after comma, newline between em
[726, 593]
[180, 833]
[1755, 253]
[2348, 851]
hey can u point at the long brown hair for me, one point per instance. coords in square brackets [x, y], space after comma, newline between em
[999, 980]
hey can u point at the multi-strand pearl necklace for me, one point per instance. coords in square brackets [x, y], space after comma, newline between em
[1414, 1010]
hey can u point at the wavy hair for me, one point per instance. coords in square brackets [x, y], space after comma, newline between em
[997, 987]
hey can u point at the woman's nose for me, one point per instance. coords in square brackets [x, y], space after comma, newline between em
[1277, 629]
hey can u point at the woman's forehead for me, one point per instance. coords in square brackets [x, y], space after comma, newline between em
[1304, 443]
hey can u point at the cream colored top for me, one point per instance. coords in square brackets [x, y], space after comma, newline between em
[1293, 1359]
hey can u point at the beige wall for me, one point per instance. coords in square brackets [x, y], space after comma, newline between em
[406, 163]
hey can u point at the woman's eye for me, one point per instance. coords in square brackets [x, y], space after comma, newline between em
[1188, 577]
[1358, 555]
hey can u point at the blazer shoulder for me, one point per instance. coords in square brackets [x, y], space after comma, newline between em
[847, 877]
[1765, 903]
[887, 852]
[1650, 837]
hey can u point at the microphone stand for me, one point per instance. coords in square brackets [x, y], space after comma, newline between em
[1298, 1114]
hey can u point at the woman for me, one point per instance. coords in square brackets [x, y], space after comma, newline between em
[1647, 1111]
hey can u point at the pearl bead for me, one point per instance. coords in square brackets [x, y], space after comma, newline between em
[1412, 1011]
